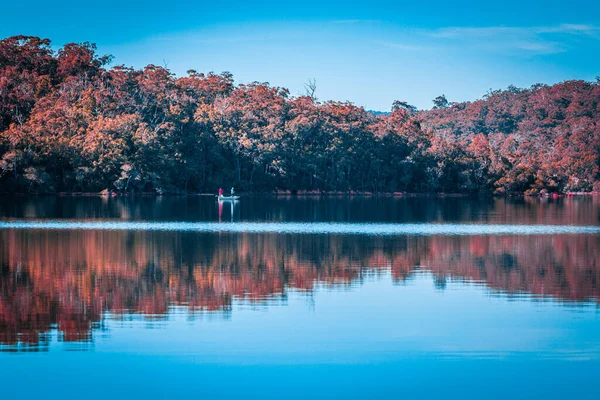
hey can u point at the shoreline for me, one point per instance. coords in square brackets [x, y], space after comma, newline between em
[306, 194]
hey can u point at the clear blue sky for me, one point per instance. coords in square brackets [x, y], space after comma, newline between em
[368, 52]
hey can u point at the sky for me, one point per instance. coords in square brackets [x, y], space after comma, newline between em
[369, 52]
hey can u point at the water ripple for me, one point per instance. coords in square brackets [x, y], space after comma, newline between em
[369, 229]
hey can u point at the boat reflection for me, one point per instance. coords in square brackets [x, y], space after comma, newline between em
[67, 282]
[232, 206]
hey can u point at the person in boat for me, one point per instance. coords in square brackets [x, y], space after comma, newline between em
[232, 192]
[220, 192]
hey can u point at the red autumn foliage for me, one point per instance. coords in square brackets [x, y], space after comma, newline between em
[67, 123]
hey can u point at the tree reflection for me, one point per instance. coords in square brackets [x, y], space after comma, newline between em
[66, 281]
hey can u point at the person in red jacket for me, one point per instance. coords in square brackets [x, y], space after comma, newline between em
[220, 192]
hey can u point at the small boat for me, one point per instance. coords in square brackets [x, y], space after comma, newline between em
[228, 198]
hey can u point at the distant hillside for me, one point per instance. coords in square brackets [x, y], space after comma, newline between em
[68, 123]
[526, 140]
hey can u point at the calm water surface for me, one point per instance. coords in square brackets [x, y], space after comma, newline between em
[277, 297]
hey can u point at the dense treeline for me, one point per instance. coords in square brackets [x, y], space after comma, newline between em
[68, 123]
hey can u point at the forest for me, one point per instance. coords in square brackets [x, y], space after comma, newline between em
[69, 122]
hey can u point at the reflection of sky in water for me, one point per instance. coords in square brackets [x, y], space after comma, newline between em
[416, 335]
[332, 325]
[363, 297]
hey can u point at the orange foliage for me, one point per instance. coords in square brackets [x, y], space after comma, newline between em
[69, 124]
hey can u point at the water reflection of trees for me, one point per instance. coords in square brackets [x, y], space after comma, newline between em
[67, 280]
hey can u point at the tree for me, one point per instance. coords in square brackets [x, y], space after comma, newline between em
[403, 105]
[440, 102]
[310, 88]
[75, 59]
[70, 123]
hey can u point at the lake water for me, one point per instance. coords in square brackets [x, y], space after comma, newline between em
[279, 297]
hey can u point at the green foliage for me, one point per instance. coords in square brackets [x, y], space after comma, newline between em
[440, 102]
